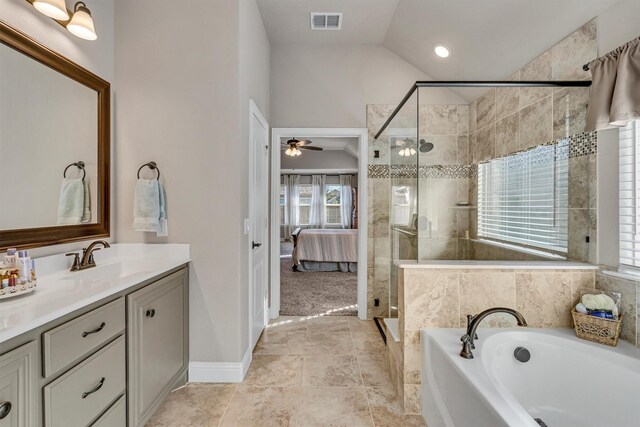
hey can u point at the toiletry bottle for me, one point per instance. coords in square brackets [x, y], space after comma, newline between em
[33, 271]
[10, 258]
[24, 264]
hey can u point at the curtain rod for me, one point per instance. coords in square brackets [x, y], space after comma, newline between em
[586, 67]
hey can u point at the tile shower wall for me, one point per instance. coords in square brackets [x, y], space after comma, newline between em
[630, 303]
[441, 298]
[508, 120]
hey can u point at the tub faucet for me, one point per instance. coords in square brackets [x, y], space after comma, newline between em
[473, 322]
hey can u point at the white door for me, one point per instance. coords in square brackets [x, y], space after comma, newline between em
[258, 205]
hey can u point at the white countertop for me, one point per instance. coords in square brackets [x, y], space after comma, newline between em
[61, 292]
[497, 265]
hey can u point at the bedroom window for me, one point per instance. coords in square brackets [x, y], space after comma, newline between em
[523, 198]
[629, 178]
[304, 204]
[332, 204]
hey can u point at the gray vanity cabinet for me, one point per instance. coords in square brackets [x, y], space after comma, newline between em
[157, 343]
[19, 386]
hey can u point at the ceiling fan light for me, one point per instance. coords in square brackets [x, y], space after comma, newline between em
[289, 152]
[412, 151]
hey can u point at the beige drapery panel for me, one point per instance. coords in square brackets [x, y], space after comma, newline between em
[615, 93]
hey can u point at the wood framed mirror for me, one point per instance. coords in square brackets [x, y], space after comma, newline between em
[54, 146]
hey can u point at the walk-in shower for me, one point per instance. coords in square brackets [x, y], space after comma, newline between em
[499, 170]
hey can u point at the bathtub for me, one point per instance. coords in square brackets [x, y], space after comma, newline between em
[567, 382]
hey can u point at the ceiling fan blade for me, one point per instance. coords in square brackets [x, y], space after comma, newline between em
[304, 142]
[311, 148]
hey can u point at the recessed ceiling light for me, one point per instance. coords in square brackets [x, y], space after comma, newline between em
[442, 51]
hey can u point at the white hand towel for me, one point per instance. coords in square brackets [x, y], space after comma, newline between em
[86, 212]
[71, 202]
[146, 205]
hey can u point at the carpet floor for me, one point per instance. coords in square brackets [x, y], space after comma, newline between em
[311, 294]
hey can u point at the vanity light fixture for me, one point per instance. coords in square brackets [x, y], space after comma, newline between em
[79, 22]
[442, 51]
[55, 9]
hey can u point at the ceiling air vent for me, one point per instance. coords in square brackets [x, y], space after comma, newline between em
[326, 21]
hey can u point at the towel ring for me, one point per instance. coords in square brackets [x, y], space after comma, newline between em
[151, 165]
[79, 165]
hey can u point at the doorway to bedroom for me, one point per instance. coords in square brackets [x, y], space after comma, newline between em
[317, 219]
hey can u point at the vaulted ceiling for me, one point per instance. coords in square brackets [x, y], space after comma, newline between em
[489, 39]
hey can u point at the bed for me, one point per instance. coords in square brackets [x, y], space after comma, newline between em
[325, 250]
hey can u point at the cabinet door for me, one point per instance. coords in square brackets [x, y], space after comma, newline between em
[18, 387]
[158, 339]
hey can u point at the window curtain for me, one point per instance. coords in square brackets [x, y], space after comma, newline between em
[317, 219]
[346, 204]
[292, 202]
[615, 95]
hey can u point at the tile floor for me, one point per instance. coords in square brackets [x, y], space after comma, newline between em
[326, 371]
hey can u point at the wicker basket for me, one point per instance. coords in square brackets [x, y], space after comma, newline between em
[597, 329]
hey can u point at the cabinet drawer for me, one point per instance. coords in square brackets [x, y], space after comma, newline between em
[18, 386]
[74, 339]
[80, 395]
[116, 415]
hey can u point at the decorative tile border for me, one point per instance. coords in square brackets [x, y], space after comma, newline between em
[583, 144]
[378, 171]
[448, 171]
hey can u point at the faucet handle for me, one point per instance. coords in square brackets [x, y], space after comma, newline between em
[469, 320]
[90, 260]
[76, 260]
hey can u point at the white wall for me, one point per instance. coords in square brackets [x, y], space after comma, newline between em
[328, 159]
[96, 56]
[618, 25]
[330, 85]
[183, 102]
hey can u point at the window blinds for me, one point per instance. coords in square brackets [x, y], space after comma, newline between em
[630, 194]
[523, 198]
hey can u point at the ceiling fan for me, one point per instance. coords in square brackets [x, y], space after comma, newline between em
[295, 145]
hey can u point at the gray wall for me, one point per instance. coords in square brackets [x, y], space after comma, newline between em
[330, 85]
[328, 159]
[183, 102]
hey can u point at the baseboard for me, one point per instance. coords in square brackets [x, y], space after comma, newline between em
[220, 372]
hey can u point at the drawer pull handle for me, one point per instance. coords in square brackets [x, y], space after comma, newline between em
[5, 408]
[95, 331]
[93, 390]
[151, 312]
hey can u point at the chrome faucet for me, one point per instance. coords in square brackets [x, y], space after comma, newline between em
[87, 260]
[473, 322]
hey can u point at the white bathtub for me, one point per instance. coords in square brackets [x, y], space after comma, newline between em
[568, 382]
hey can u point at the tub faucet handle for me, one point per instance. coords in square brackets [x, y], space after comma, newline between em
[466, 347]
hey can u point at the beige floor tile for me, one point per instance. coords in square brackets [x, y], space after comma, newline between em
[327, 324]
[331, 343]
[368, 343]
[357, 325]
[327, 370]
[201, 405]
[334, 406]
[276, 342]
[375, 370]
[263, 406]
[268, 370]
[288, 324]
[385, 407]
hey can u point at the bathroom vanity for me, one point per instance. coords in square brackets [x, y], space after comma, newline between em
[100, 347]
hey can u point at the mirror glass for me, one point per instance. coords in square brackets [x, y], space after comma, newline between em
[48, 121]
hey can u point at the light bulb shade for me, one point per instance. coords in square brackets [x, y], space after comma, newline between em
[402, 152]
[289, 152]
[81, 24]
[298, 152]
[56, 9]
[412, 151]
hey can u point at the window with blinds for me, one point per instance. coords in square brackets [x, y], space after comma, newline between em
[630, 194]
[523, 198]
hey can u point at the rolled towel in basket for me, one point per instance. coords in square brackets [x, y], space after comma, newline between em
[599, 302]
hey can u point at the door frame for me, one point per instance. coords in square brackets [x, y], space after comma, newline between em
[254, 112]
[274, 243]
